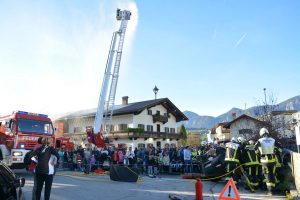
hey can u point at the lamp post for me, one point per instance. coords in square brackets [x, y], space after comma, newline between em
[266, 105]
[155, 90]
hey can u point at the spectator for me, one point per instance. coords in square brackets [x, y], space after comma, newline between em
[121, 156]
[115, 157]
[61, 158]
[47, 158]
[87, 157]
[166, 161]
[92, 163]
[130, 156]
[187, 160]
[78, 162]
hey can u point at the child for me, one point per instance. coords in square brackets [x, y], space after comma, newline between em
[79, 162]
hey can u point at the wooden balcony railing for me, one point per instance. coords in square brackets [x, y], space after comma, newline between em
[160, 118]
[145, 135]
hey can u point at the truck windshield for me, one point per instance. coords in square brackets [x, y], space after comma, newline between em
[34, 126]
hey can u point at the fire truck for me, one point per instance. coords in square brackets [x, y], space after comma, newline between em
[19, 133]
[64, 142]
[99, 135]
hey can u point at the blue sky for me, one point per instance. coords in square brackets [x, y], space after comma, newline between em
[205, 56]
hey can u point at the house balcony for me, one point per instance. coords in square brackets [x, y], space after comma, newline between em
[145, 135]
[160, 118]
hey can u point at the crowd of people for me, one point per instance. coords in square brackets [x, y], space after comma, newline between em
[148, 160]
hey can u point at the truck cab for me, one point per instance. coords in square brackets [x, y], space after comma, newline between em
[19, 133]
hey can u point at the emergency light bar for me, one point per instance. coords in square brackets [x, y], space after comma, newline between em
[29, 113]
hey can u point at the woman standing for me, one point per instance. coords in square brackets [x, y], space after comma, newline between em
[47, 158]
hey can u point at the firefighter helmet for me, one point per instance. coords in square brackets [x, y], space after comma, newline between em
[241, 139]
[233, 139]
[263, 131]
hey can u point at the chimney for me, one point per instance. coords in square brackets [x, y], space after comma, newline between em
[233, 115]
[125, 100]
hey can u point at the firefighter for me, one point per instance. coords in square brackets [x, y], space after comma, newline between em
[232, 159]
[251, 164]
[278, 161]
[265, 146]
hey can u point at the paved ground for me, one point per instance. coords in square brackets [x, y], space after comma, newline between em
[74, 185]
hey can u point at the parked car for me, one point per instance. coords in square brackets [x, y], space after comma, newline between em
[10, 185]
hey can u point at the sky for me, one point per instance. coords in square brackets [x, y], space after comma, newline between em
[205, 56]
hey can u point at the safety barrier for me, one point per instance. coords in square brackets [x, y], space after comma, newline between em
[296, 169]
[173, 168]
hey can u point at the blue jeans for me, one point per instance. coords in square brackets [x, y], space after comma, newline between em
[188, 166]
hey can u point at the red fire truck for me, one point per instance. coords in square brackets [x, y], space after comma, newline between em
[19, 133]
[64, 142]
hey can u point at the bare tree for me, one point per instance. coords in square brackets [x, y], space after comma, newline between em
[274, 120]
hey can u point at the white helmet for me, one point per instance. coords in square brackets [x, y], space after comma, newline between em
[241, 139]
[251, 142]
[233, 139]
[263, 131]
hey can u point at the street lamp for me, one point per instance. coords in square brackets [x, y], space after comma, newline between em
[266, 105]
[155, 90]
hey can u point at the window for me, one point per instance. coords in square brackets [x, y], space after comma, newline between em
[172, 130]
[77, 129]
[122, 127]
[111, 127]
[149, 112]
[141, 126]
[158, 128]
[167, 130]
[157, 112]
[150, 128]
[245, 131]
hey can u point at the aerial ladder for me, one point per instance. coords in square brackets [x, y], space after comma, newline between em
[99, 135]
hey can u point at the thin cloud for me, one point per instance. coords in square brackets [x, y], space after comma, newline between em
[240, 40]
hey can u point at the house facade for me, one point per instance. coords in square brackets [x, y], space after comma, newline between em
[145, 123]
[245, 126]
[282, 123]
[220, 133]
[296, 124]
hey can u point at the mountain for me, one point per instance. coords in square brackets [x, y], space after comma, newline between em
[198, 121]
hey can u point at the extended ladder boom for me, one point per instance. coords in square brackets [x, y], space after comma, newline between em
[110, 79]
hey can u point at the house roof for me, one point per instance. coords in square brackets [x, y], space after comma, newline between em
[131, 108]
[283, 112]
[244, 116]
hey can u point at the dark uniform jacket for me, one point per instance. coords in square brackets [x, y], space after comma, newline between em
[43, 154]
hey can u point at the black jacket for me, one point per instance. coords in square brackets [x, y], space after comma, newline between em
[43, 154]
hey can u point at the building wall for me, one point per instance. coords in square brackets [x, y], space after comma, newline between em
[243, 124]
[135, 143]
[122, 119]
[78, 125]
[296, 122]
[282, 123]
[221, 134]
[144, 118]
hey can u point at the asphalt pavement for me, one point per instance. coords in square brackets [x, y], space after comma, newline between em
[76, 185]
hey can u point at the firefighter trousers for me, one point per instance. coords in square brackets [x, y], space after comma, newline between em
[235, 174]
[252, 173]
[269, 173]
